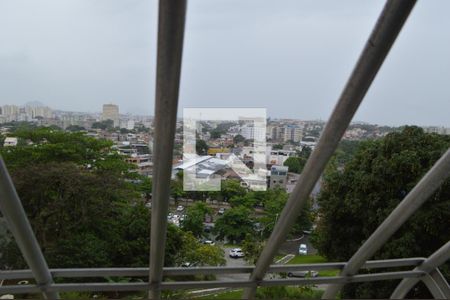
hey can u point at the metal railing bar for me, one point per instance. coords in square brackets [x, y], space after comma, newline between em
[20, 228]
[375, 51]
[390, 263]
[170, 47]
[429, 183]
[173, 271]
[344, 279]
[142, 286]
[429, 265]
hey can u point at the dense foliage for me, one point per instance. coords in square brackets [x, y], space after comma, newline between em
[358, 196]
[235, 224]
[195, 216]
[86, 205]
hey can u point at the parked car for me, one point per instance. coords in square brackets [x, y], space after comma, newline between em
[180, 208]
[208, 219]
[303, 249]
[303, 274]
[188, 265]
[236, 253]
[221, 211]
[208, 242]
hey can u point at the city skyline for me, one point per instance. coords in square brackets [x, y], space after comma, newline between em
[292, 59]
[180, 117]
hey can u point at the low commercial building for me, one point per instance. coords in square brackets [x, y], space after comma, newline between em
[278, 177]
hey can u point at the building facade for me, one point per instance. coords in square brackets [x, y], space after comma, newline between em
[111, 112]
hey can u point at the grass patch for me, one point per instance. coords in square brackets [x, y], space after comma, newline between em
[307, 259]
[314, 259]
[226, 295]
[281, 292]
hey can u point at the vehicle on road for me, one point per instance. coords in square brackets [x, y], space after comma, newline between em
[236, 253]
[208, 242]
[221, 211]
[180, 208]
[188, 265]
[303, 249]
[303, 274]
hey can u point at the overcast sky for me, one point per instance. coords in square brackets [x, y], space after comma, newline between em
[292, 57]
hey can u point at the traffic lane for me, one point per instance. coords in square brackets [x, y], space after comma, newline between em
[238, 262]
[291, 246]
[232, 262]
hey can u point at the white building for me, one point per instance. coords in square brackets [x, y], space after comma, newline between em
[11, 112]
[10, 142]
[251, 132]
[292, 133]
[278, 157]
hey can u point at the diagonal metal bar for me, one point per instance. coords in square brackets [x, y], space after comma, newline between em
[20, 227]
[375, 51]
[170, 47]
[412, 202]
[433, 287]
[429, 266]
[441, 282]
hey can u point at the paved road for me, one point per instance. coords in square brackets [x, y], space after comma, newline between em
[291, 247]
[233, 262]
[236, 262]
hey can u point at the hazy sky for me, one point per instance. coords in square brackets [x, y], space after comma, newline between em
[292, 57]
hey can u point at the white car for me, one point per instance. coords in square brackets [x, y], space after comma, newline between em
[303, 249]
[236, 253]
[180, 208]
[208, 242]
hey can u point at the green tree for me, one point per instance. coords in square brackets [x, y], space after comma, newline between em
[198, 254]
[48, 145]
[104, 125]
[216, 133]
[201, 147]
[277, 147]
[248, 200]
[75, 128]
[234, 225]
[231, 188]
[195, 216]
[295, 164]
[355, 200]
[274, 203]
[252, 248]
[306, 152]
[238, 139]
[80, 203]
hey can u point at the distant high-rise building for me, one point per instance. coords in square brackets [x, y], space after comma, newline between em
[251, 132]
[11, 112]
[292, 133]
[111, 112]
[33, 111]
